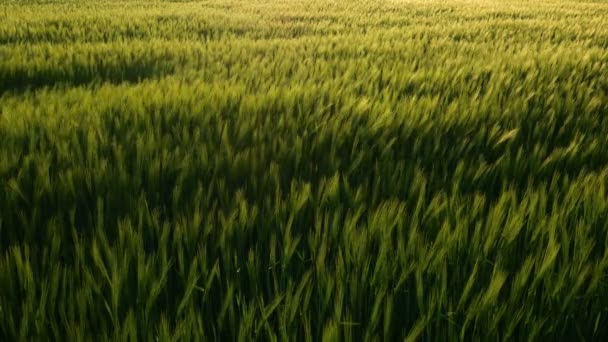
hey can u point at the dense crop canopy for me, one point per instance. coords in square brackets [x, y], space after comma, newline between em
[303, 170]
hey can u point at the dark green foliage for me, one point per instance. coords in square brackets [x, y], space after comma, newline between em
[252, 170]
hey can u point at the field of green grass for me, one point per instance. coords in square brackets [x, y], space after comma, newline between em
[304, 170]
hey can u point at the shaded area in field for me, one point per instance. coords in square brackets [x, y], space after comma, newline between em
[483, 155]
[362, 201]
[83, 67]
[22, 80]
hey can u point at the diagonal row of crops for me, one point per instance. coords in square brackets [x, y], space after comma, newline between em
[303, 170]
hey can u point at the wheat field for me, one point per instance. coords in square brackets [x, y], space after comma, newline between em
[303, 170]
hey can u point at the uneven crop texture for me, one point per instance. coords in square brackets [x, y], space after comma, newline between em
[305, 170]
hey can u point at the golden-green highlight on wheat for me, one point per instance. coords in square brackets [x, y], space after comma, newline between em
[303, 170]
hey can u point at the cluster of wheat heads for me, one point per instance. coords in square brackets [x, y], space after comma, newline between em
[303, 170]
